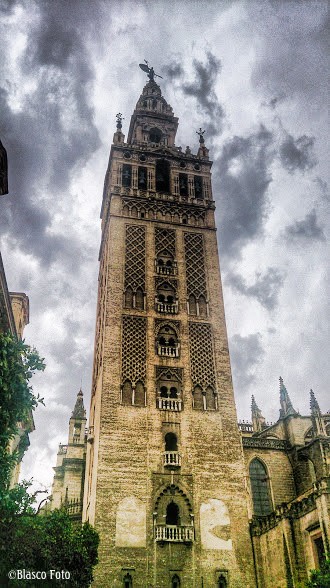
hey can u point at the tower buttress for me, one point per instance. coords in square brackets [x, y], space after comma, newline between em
[286, 404]
[258, 420]
[317, 418]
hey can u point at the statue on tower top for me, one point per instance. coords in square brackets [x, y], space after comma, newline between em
[119, 120]
[200, 133]
[149, 71]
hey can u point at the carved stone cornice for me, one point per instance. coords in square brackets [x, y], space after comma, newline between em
[261, 443]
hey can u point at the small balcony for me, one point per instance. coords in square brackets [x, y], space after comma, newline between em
[168, 350]
[174, 533]
[167, 307]
[174, 404]
[172, 459]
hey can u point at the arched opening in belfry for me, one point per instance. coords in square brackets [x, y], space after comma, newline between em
[155, 134]
[171, 442]
[162, 176]
[172, 514]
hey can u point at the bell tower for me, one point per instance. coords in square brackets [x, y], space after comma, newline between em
[165, 484]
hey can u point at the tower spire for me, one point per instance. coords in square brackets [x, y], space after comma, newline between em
[258, 420]
[317, 419]
[286, 404]
[79, 411]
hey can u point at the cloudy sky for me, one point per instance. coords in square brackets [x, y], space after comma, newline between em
[253, 74]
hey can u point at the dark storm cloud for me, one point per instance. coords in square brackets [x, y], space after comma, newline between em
[246, 353]
[297, 154]
[203, 90]
[293, 48]
[265, 289]
[53, 132]
[307, 229]
[242, 176]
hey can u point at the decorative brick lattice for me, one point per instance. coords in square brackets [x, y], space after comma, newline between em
[135, 271]
[201, 355]
[195, 265]
[165, 241]
[134, 349]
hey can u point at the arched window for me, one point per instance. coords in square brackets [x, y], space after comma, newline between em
[139, 398]
[127, 175]
[172, 514]
[129, 297]
[128, 582]
[262, 504]
[163, 392]
[202, 306]
[127, 392]
[198, 398]
[192, 305]
[167, 342]
[171, 442]
[210, 398]
[222, 582]
[175, 581]
[162, 176]
[139, 299]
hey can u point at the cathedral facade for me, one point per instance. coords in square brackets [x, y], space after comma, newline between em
[180, 494]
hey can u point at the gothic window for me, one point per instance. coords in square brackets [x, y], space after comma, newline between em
[175, 582]
[202, 306]
[172, 514]
[262, 504]
[127, 393]
[210, 399]
[162, 176]
[198, 182]
[171, 442]
[198, 398]
[128, 582]
[192, 307]
[155, 135]
[129, 298]
[139, 299]
[139, 396]
[183, 184]
[142, 178]
[127, 175]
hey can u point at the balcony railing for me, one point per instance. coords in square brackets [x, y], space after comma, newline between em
[168, 351]
[174, 534]
[166, 270]
[172, 459]
[169, 308]
[170, 404]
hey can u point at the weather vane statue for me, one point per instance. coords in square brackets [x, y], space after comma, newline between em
[149, 71]
[201, 133]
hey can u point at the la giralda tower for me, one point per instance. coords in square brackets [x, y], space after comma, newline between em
[165, 483]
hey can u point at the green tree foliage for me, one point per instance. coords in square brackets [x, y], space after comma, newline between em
[18, 363]
[320, 578]
[46, 542]
[28, 541]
